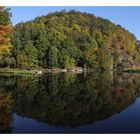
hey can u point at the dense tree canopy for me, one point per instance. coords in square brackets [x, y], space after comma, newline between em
[5, 30]
[73, 39]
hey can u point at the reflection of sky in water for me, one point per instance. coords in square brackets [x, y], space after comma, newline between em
[70, 103]
[124, 121]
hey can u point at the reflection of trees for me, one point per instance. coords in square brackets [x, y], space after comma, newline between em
[5, 111]
[69, 100]
[66, 100]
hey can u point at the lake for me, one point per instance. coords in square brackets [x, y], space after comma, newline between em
[70, 103]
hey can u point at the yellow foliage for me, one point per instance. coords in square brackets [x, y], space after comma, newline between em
[4, 49]
[5, 30]
[4, 33]
[22, 59]
[1, 8]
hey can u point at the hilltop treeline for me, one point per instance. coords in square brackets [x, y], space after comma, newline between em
[72, 39]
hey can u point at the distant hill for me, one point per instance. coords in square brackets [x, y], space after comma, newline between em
[73, 39]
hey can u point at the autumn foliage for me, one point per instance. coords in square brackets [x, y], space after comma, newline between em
[69, 39]
[5, 30]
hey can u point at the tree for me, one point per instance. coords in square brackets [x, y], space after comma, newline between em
[5, 30]
[31, 53]
[22, 60]
[103, 58]
[74, 39]
[52, 57]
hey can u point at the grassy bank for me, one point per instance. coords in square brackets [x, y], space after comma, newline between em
[39, 71]
[17, 71]
[132, 70]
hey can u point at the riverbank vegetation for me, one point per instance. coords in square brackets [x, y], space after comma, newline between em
[18, 71]
[132, 70]
[66, 40]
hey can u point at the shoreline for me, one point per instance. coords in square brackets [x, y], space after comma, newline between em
[45, 71]
[132, 70]
[16, 71]
[38, 71]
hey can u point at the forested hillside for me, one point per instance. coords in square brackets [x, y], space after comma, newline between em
[72, 39]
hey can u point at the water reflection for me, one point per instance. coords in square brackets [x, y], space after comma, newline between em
[5, 110]
[66, 100]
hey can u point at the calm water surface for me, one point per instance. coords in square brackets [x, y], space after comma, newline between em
[70, 103]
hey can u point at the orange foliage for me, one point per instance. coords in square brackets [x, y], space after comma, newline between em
[5, 30]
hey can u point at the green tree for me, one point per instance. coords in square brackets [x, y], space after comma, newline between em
[52, 57]
[31, 53]
[74, 39]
